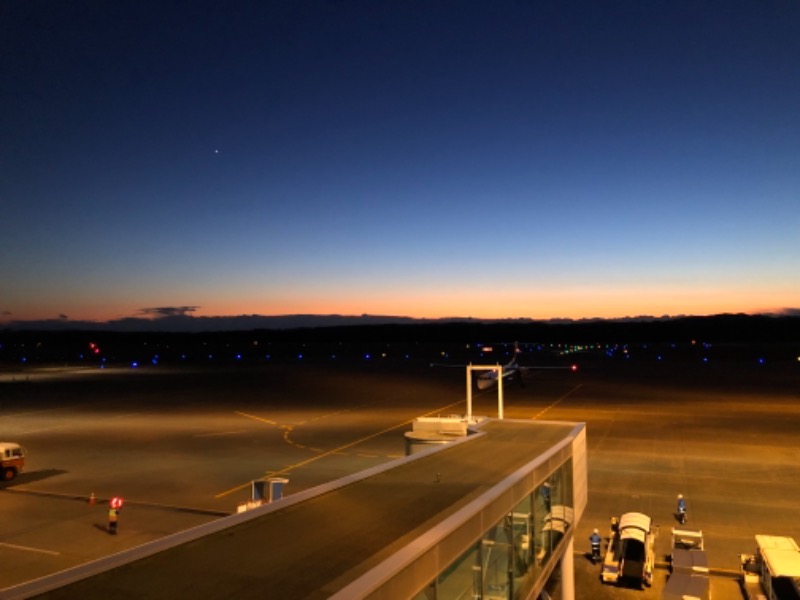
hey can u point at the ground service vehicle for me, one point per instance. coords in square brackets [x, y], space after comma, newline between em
[688, 567]
[773, 572]
[630, 557]
[12, 460]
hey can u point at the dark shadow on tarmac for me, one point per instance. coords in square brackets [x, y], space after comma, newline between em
[588, 557]
[99, 500]
[31, 477]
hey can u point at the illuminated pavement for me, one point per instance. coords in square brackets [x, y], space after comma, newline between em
[314, 549]
[724, 437]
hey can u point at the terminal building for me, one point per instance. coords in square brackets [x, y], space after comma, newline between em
[490, 515]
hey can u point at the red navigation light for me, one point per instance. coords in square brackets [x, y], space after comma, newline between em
[574, 367]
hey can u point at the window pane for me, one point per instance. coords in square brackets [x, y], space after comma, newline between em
[458, 580]
[495, 553]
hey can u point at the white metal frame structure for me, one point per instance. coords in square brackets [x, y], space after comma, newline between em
[499, 369]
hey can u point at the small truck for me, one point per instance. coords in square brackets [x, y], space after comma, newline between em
[773, 572]
[12, 460]
[630, 557]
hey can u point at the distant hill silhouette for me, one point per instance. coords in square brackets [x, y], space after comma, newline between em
[718, 327]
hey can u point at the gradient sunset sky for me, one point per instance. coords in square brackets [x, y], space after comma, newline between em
[418, 158]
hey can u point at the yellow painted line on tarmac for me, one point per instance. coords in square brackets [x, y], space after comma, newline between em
[544, 410]
[435, 411]
[30, 549]
[287, 429]
[236, 489]
[205, 435]
[338, 450]
[255, 418]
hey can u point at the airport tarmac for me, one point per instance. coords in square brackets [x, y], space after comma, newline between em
[182, 447]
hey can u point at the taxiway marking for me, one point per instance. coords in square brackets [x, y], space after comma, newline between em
[286, 470]
[544, 410]
[30, 549]
[255, 418]
[204, 435]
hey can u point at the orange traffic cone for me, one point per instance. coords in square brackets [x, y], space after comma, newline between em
[92, 499]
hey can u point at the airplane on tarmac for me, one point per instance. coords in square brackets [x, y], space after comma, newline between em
[512, 370]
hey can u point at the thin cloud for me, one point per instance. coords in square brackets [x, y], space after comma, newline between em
[168, 311]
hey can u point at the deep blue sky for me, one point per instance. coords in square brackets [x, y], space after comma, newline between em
[428, 159]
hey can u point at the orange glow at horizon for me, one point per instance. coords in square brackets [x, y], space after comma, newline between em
[481, 304]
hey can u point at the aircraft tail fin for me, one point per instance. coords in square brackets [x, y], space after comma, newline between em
[517, 352]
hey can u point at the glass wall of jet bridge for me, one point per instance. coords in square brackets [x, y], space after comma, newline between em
[511, 557]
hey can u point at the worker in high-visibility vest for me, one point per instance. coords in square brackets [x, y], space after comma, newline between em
[113, 517]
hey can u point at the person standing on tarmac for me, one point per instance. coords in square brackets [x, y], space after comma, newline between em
[595, 540]
[681, 509]
[113, 516]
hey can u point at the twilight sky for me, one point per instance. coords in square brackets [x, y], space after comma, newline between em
[420, 158]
